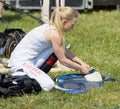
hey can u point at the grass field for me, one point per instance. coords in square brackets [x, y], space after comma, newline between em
[96, 40]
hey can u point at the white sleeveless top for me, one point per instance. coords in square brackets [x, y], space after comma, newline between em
[31, 46]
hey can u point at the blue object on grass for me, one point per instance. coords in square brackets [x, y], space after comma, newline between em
[75, 83]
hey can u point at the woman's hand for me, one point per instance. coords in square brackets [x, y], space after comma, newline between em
[85, 68]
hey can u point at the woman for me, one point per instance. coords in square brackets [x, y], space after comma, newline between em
[41, 42]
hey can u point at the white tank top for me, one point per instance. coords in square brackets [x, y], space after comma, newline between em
[31, 46]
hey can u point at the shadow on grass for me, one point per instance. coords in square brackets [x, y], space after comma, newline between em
[11, 18]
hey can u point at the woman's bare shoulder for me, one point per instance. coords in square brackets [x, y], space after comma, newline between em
[52, 34]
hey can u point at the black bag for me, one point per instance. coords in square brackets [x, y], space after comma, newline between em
[9, 39]
[2, 40]
[14, 85]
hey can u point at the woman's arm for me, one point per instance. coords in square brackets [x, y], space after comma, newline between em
[71, 56]
[59, 51]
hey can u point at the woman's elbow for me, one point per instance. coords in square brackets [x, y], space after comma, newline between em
[63, 62]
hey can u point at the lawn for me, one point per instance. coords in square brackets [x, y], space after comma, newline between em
[96, 40]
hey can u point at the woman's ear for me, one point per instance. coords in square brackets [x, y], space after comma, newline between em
[64, 21]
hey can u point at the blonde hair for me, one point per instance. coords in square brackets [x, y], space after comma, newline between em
[62, 13]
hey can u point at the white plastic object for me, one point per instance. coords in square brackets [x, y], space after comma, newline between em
[94, 77]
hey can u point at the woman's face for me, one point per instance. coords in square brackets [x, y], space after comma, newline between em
[69, 24]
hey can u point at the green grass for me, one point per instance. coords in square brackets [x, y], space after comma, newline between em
[96, 40]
